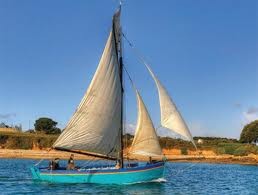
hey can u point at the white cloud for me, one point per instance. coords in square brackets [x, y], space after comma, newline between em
[249, 117]
[247, 114]
[163, 132]
[198, 128]
[130, 128]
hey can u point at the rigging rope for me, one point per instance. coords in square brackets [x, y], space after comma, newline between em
[133, 85]
[131, 81]
[199, 155]
[90, 161]
[42, 158]
[137, 53]
[185, 169]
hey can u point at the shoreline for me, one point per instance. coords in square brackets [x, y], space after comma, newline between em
[245, 160]
[214, 159]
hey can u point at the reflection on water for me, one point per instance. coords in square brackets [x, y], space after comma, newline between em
[180, 178]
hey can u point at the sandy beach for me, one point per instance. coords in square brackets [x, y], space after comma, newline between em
[172, 155]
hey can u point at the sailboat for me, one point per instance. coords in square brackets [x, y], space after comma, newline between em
[96, 128]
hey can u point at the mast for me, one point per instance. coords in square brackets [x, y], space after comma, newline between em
[118, 43]
[122, 110]
[122, 98]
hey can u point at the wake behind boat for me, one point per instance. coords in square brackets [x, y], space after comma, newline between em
[97, 126]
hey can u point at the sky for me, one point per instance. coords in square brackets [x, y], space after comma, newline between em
[204, 52]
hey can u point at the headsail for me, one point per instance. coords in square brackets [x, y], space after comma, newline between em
[96, 125]
[170, 116]
[145, 140]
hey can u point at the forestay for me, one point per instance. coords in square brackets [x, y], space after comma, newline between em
[95, 126]
[170, 116]
[145, 140]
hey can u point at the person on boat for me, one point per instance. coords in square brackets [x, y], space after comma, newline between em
[54, 164]
[150, 160]
[51, 164]
[118, 165]
[71, 164]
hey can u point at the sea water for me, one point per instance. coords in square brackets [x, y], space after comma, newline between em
[180, 178]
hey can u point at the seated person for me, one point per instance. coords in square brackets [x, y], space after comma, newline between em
[71, 164]
[51, 164]
[151, 161]
[54, 164]
[118, 165]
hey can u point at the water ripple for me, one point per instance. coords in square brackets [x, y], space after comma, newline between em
[180, 178]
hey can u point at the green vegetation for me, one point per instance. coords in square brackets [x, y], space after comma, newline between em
[184, 151]
[19, 140]
[26, 140]
[169, 143]
[43, 136]
[250, 133]
[215, 144]
[237, 149]
[47, 126]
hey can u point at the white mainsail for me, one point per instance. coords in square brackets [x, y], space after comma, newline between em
[170, 116]
[145, 140]
[96, 125]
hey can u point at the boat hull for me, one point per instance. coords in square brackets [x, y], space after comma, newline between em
[144, 173]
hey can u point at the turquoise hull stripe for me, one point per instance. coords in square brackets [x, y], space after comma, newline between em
[123, 176]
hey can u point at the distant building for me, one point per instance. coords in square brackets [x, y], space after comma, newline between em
[255, 142]
[200, 141]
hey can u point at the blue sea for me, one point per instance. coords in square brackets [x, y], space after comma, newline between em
[180, 178]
